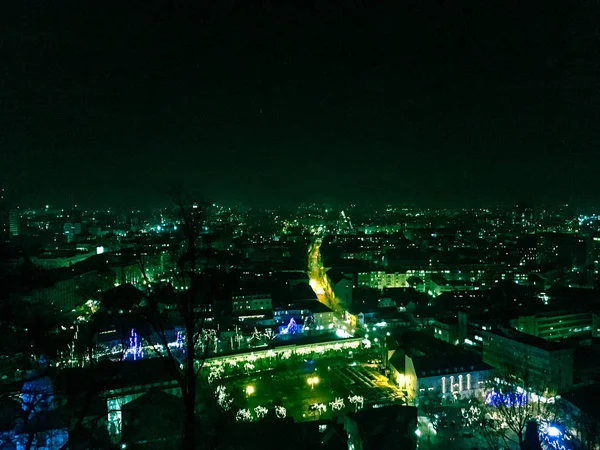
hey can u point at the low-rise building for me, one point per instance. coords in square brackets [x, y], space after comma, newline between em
[61, 258]
[555, 326]
[381, 279]
[544, 364]
[422, 365]
[386, 302]
[257, 302]
[67, 294]
[342, 285]
[447, 330]
[438, 285]
[382, 428]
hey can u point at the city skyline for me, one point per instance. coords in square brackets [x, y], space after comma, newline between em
[336, 224]
[280, 105]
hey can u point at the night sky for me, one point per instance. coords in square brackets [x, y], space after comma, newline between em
[432, 103]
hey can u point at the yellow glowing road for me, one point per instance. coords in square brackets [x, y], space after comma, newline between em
[319, 281]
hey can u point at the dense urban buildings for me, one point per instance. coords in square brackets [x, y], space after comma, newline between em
[336, 225]
[439, 312]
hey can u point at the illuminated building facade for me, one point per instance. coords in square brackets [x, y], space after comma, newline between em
[258, 302]
[14, 222]
[429, 366]
[421, 375]
[557, 326]
[381, 280]
[536, 360]
[69, 293]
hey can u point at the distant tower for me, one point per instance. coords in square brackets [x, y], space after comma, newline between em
[4, 217]
[344, 224]
[73, 226]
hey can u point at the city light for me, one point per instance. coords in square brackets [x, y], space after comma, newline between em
[312, 381]
[401, 379]
[342, 333]
[493, 306]
[553, 431]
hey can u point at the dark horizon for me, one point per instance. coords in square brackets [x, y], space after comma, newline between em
[277, 105]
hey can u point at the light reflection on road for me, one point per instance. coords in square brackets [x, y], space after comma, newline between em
[319, 281]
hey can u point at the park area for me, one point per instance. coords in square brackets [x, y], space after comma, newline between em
[307, 387]
[311, 393]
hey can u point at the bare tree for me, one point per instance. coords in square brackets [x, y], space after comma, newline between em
[29, 410]
[583, 428]
[192, 300]
[477, 418]
[515, 396]
[588, 431]
[431, 406]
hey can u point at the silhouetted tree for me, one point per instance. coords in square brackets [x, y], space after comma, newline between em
[191, 300]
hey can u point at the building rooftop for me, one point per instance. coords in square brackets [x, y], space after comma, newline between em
[108, 375]
[527, 339]
[278, 433]
[391, 427]
[557, 313]
[122, 297]
[448, 320]
[433, 356]
[336, 276]
[154, 416]
[302, 291]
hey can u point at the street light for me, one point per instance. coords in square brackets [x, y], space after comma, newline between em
[312, 381]
[552, 431]
[250, 389]
[401, 379]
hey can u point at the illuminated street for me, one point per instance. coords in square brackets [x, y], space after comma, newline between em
[319, 281]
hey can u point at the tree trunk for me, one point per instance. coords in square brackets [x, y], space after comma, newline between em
[190, 381]
[521, 441]
[189, 431]
[190, 405]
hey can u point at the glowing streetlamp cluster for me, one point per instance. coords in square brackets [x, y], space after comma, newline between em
[312, 381]
[554, 436]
